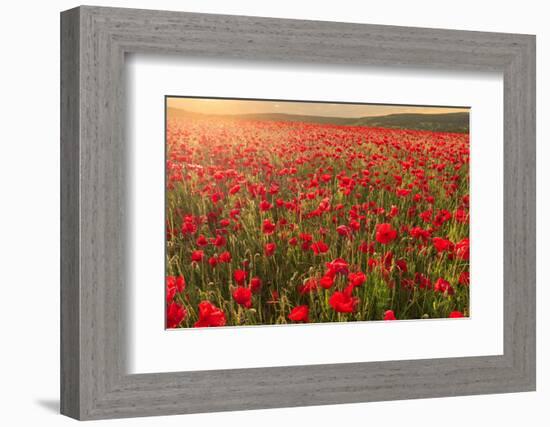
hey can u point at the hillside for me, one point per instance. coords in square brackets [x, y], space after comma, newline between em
[451, 122]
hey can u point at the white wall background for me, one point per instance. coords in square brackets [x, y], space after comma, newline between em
[29, 213]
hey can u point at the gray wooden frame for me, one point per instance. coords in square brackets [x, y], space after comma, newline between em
[94, 41]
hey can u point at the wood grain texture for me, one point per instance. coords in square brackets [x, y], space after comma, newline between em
[94, 270]
[70, 291]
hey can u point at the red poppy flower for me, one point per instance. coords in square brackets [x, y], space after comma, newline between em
[343, 302]
[422, 281]
[462, 249]
[213, 261]
[442, 244]
[385, 233]
[235, 189]
[319, 247]
[401, 265]
[441, 285]
[197, 256]
[170, 294]
[326, 282]
[202, 241]
[371, 263]
[268, 227]
[426, 215]
[299, 313]
[389, 315]
[419, 233]
[255, 284]
[336, 266]
[174, 284]
[243, 296]
[225, 257]
[219, 241]
[343, 230]
[175, 314]
[456, 314]
[355, 225]
[265, 205]
[464, 278]
[188, 227]
[240, 276]
[402, 192]
[442, 216]
[216, 197]
[210, 315]
[269, 249]
[357, 279]
[461, 215]
[306, 237]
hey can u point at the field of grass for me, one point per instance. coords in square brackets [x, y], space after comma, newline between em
[274, 222]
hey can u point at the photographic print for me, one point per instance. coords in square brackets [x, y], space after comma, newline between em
[292, 212]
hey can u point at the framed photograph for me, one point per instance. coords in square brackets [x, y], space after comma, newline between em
[311, 212]
[274, 213]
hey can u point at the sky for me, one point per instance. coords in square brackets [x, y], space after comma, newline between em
[234, 106]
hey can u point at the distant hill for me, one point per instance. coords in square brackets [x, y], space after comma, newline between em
[451, 122]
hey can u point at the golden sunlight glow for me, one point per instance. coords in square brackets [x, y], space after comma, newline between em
[234, 106]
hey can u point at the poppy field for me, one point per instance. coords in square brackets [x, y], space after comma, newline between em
[279, 222]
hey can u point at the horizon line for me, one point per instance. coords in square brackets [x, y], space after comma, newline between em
[243, 106]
